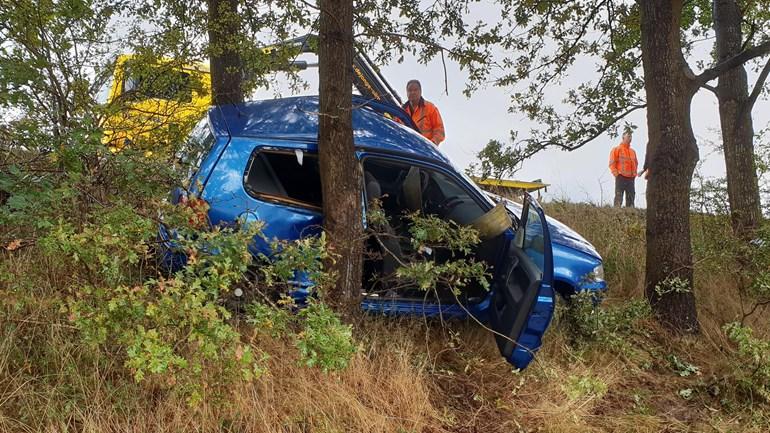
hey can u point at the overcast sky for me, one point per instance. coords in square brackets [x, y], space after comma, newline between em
[580, 175]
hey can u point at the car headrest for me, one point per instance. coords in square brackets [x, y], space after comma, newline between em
[412, 190]
[373, 188]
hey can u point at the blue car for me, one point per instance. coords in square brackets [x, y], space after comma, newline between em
[577, 266]
[259, 162]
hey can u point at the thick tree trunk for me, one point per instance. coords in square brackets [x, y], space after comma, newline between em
[225, 62]
[737, 126]
[341, 177]
[674, 154]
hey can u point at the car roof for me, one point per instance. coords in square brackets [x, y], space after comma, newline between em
[296, 119]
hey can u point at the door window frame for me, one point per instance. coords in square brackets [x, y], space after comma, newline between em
[480, 200]
[272, 198]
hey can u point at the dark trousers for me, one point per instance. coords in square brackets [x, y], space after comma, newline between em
[624, 185]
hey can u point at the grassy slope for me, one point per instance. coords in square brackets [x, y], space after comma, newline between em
[409, 375]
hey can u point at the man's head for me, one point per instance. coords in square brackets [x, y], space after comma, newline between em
[626, 139]
[413, 91]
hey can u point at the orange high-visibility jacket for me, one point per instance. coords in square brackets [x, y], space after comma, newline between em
[623, 161]
[428, 120]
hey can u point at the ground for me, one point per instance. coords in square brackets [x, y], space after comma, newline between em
[617, 371]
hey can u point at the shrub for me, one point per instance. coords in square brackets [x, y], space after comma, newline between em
[428, 234]
[174, 329]
[588, 322]
[325, 341]
[751, 369]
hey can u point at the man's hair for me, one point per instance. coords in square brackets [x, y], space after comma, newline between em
[410, 82]
[628, 132]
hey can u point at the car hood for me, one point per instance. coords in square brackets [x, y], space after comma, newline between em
[560, 233]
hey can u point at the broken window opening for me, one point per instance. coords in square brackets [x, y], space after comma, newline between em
[278, 176]
[400, 189]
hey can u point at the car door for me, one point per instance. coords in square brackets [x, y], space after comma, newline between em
[522, 302]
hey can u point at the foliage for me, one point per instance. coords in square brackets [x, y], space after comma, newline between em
[43, 68]
[752, 369]
[672, 285]
[288, 260]
[176, 328]
[430, 234]
[268, 319]
[682, 367]
[430, 231]
[762, 161]
[497, 161]
[578, 387]
[325, 341]
[588, 322]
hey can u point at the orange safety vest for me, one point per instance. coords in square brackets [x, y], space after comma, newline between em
[428, 120]
[623, 161]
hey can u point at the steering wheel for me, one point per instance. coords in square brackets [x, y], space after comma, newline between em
[451, 202]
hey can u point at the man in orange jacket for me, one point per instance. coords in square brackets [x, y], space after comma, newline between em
[424, 114]
[623, 165]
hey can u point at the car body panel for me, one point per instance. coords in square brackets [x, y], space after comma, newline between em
[296, 120]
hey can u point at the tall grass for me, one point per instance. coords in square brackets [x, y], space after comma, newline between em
[409, 375]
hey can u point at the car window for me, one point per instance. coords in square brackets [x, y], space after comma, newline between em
[285, 177]
[534, 241]
[402, 187]
[445, 195]
[191, 153]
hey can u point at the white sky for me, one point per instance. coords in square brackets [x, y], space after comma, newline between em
[581, 175]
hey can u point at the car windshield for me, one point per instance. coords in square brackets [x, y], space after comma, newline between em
[147, 82]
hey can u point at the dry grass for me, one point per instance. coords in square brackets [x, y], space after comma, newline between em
[409, 376]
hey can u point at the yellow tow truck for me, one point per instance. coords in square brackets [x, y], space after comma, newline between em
[150, 105]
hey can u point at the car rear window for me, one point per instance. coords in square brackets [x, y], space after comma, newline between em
[280, 176]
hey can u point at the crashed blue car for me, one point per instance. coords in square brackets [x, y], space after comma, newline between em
[260, 163]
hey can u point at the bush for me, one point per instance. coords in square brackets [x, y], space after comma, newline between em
[751, 369]
[588, 322]
[173, 329]
[325, 341]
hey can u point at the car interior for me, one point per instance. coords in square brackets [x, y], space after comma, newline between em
[403, 189]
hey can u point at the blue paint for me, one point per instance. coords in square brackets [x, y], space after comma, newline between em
[574, 258]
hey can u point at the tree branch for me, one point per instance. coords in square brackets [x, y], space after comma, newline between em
[734, 61]
[534, 146]
[758, 85]
[710, 88]
[752, 30]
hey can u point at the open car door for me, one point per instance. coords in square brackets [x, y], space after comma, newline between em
[523, 301]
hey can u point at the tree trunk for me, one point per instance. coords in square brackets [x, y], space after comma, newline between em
[341, 176]
[737, 126]
[674, 154]
[226, 64]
